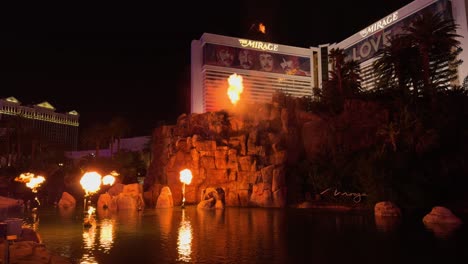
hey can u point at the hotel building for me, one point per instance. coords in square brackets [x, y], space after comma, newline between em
[297, 70]
[364, 45]
[209, 76]
[58, 129]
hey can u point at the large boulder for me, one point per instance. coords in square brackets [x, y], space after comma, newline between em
[67, 201]
[386, 208]
[9, 203]
[165, 198]
[28, 234]
[33, 252]
[441, 215]
[212, 198]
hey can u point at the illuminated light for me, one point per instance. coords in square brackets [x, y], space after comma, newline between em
[235, 88]
[91, 182]
[379, 24]
[258, 45]
[46, 105]
[12, 99]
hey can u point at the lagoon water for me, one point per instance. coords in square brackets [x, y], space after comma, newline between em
[247, 235]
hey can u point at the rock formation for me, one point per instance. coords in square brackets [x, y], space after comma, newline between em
[244, 153]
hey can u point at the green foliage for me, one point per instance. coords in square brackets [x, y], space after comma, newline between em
[343, 84]
[421, 61]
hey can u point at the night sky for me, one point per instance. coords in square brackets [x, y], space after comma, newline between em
[133, 60]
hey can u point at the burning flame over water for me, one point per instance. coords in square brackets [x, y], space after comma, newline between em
[91, 182]
[186, 176]
[32, 181]
[108, 180]
[91, 211]
[235, 88]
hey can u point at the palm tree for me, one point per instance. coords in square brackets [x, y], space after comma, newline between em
[435, 38]
[395, 67]
[97, 135]
[118, 128]
[16, 129]
[337, 60]
[344, 82]
[420, 61]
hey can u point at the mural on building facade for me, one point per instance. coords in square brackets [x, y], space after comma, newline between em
[257, 60]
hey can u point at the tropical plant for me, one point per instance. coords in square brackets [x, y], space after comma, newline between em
[435, 38]
[96, 135]
[117, 128]
[422, 60]
[344, 82]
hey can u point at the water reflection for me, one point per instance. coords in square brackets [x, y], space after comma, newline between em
[66, 212]
[441, 230]
[32, 221]
[165, 221]
[184, 240]
[244, 235]
[100, 236]
[387, 223]
[106, 235]
[89, 239]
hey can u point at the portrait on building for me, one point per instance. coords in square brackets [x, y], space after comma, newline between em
[257, 60]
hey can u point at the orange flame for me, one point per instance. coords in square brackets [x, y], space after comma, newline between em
[235, 88]
[108, 180]
[91, 211]
[262, 28]
[32, 181]
[186, 176]
[91, 182]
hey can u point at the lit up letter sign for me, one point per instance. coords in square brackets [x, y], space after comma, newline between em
[258, 45]
[381, 24]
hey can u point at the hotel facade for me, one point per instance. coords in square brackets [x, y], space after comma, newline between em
[296, 71]
[209, 76]
[49, 126]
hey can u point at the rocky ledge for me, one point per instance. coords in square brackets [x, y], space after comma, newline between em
[29, 252]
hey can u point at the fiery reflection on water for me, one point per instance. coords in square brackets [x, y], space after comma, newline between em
[89, 239]
[101, 238]
[184, 240]
[106, 235]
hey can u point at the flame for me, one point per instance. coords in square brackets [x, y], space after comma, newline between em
[235, 88]
[32, 181]
[91, 211]
[262, 28]
[108, 180]
[91, 182]
[186, 176]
